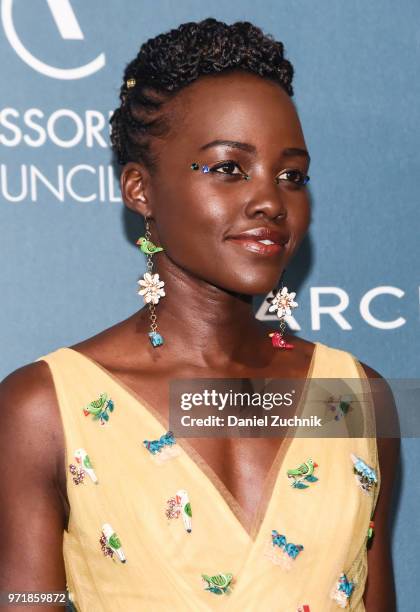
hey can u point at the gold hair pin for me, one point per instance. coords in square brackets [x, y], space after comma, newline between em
[131, 83]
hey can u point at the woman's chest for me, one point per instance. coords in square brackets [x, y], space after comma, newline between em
[241, 465]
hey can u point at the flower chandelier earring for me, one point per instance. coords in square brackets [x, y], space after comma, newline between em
[151, 287]
[282, 302]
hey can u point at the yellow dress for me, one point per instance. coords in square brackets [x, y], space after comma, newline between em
[164, 563]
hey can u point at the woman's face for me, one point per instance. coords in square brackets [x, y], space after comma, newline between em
[197, 215]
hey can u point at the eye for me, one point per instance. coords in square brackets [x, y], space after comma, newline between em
[228, 167]
[296, 177]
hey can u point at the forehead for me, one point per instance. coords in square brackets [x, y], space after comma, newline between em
[237, 106]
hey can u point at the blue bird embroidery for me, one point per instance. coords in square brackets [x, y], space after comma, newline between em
[365, 475]
[345, 585]
[342, 590]
[280, 540]
[156, 446]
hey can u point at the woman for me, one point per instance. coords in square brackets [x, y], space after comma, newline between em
[214, 159]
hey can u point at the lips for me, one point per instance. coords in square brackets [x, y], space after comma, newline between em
[262, 233]
[262, 240]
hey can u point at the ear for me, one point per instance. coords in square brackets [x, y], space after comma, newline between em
[133, 188]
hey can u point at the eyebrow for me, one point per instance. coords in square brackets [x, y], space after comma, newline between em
[245, 146]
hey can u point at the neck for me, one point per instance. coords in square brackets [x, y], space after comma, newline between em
[210, 325]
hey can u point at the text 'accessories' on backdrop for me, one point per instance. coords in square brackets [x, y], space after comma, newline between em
[151, 287]
[282, 303]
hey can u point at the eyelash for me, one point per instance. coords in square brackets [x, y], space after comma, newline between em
[303, 179]
[229, 163]
[301, 182]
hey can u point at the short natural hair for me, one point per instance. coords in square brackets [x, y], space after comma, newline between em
[171, 61]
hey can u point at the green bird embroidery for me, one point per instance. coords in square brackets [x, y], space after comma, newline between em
[304, 472]
[100, 408]
[218, 584]
[147, 246]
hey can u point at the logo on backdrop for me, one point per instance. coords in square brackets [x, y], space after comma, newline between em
[336, 302]
[69, 29]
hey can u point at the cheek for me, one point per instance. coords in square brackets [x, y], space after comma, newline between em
[298, 221]
[192, 221]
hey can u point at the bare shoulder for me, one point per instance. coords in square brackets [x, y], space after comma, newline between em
[29, 411]
[26, 389]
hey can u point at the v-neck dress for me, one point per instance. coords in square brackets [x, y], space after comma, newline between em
[164, 564]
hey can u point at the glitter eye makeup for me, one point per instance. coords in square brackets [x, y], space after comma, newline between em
[230, 165]
[291, 176]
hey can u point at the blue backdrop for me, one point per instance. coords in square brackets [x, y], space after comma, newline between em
[69, 263]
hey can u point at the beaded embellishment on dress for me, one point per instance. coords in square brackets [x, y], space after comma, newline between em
[100, 408]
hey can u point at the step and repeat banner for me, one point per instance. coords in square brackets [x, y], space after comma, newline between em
[69, 264]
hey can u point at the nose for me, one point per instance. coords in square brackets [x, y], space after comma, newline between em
[266, 200]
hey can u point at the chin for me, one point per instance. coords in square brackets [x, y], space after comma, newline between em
[251, 287]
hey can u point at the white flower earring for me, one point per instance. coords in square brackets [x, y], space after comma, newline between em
[151, 287]
[283, 303]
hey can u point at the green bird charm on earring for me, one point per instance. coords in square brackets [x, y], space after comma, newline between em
[147, 246]
[151, 287]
